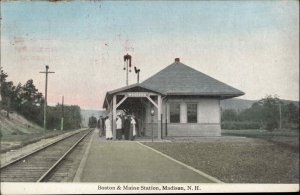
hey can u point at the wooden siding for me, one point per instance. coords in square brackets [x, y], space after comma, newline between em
[208, 119]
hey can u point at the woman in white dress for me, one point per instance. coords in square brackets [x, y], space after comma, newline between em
[108, 129]
[133, 122]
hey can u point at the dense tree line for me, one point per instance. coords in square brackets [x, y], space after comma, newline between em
[264, 114]
[71, 114]
[29, 102]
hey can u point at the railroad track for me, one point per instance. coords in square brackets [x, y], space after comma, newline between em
[38, 165]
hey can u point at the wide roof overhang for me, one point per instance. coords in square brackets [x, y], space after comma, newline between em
[130, 88]
[141, 88]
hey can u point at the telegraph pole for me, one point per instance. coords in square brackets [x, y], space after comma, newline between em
[45, 103]
[62, 114]
[280, 117]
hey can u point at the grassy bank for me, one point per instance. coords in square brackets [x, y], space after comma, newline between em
[16, 131]
[12, 142]
[261, 133]
[288, 138]
[249, 162]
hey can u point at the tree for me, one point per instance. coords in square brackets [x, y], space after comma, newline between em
[25, 99]
[31, 102]
[53, 117]
[254, 113]
[30, 93]
[17, 100]
[230, 115]
[6, 92]
[292, 113]
[266, 114]
[3, 76]
[72, 117]
[270, 111]
[28, 101]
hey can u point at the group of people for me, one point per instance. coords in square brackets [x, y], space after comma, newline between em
[126, 127]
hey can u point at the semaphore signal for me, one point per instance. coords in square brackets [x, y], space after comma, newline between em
[127, 65]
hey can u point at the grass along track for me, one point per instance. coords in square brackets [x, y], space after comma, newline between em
[13, 142]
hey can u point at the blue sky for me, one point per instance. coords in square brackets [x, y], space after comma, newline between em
[251, 45]
[83, 19]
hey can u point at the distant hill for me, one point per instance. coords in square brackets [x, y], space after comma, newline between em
[291, 101]
[86, 114]
[236, 104]
[241, 104]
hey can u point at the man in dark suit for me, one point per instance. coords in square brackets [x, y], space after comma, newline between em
[126, 127]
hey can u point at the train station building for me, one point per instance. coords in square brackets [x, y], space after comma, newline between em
[176, 101]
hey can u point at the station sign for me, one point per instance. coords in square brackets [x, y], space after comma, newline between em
[137, 94]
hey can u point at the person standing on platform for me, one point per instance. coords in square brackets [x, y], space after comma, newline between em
[137, 126]
[103, 126]
[108, 128]
[99, 126]
[119, 127]
[126, 127]
[123, 120]
[132, 128]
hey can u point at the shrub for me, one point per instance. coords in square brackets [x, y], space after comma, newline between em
[271, 125]
[237, 125]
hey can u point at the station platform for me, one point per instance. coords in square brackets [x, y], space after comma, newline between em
[132, 162]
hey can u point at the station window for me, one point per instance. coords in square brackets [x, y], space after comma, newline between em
[174, 113]
[192, 113]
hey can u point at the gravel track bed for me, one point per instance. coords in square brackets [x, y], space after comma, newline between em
[66, 170]
[43, 159]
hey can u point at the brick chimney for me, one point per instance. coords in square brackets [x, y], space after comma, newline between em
[177, 59]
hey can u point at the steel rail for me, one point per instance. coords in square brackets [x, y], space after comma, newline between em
[61, 158]
[35, 151]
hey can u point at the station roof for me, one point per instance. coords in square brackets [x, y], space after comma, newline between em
[178, 79]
